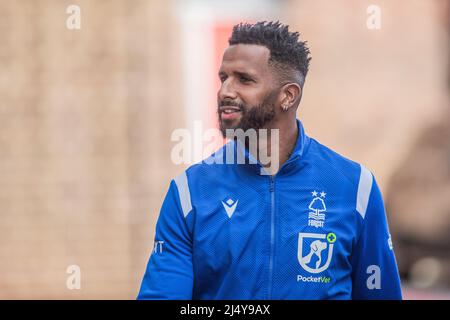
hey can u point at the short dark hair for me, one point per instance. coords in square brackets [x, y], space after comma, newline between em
[287, 52]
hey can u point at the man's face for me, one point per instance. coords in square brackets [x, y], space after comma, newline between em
[247, 96]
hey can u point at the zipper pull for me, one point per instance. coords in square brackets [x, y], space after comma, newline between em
[271, 184]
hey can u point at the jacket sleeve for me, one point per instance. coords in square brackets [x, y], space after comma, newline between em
[374, 268]
[169, 273]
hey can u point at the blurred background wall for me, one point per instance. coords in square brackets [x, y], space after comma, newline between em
[86, 117]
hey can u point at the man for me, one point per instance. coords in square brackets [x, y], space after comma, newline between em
[314, 228]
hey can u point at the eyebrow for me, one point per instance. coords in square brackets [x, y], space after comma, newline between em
[238, 73]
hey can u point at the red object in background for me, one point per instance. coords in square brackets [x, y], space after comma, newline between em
[222, 32]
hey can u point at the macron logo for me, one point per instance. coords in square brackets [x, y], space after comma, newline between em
[230, 206]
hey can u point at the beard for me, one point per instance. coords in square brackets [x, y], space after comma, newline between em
[254, 117]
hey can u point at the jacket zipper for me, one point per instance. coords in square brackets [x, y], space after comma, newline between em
[272, 226]
[272, 231]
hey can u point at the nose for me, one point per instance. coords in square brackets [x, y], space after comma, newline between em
[226, 91]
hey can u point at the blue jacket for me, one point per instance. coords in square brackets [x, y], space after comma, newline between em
[315, 230]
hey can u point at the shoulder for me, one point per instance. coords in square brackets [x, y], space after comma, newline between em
[210, 168]
[340, 168]
[334, 163]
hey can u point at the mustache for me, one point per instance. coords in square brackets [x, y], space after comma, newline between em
[224, 103]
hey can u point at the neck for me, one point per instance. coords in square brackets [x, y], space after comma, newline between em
[287, 137]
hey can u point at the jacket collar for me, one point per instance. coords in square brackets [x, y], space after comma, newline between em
[295, 158]
[302, 142]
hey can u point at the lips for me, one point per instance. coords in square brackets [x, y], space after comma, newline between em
[229, 112]
[229, 109]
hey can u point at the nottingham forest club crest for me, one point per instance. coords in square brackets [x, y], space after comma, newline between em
[317, 209]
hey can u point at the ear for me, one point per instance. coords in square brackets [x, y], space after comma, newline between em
[290, 95]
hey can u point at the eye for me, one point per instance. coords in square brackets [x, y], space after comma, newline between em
[244, 79]
[222, 77]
